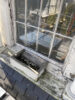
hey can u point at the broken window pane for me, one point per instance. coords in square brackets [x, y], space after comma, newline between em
[49, 14]
[60, 48]
[20, 10]
[33, 10]
[44, 42]
[67, 19]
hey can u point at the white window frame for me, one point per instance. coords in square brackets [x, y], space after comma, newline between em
[12, 2]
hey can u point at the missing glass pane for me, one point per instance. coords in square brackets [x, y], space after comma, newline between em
[20, 10]
[60, 48]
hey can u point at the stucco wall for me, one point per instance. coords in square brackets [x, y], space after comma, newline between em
[69, 66]
[5, 23]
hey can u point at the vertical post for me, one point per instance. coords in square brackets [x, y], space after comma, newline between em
[25, 22]
[37, 35]
[14, 19]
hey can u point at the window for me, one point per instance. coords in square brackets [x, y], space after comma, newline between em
[46, 26]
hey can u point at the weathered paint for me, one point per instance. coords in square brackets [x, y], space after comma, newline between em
[69, 66]
[5, 23]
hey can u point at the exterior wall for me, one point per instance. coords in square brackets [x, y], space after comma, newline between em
[69, 66]
[5, 23]
[7, 37]
[15, 86]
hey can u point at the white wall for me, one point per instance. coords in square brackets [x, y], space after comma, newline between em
[69, 67]
[5, 23]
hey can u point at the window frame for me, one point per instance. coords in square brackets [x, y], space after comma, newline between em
[52, 32]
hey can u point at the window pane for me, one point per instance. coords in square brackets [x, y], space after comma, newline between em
[31, 37]
[60, 48]
[44, 42]
[67, 20]
[20, 33]
[33, 9]
[20, 10]
[49, 13]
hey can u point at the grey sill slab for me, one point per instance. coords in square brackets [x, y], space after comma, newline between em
[46, 82]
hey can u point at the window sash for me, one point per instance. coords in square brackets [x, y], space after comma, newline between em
[53, 32]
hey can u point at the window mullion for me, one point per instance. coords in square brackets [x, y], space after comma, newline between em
[37, 34]
[56, 26]
[25, 22]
